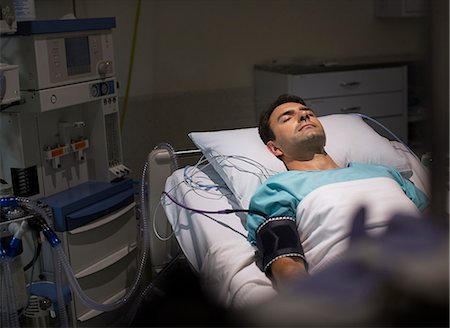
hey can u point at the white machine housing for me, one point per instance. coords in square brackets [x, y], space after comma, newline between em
[9, 84]
[60, 59]
[67, 130]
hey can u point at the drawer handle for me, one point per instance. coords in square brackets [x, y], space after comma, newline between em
[352, 84]
[351, 109]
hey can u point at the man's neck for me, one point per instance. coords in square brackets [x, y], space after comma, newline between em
[317, 163]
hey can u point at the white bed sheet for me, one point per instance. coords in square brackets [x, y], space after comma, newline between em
[224, 258]
[195, 232]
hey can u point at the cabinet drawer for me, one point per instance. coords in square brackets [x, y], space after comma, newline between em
[89, 247]
[107, 286]
[333, 84]
[386, 104]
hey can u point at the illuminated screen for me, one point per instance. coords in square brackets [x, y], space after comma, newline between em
[77, 55]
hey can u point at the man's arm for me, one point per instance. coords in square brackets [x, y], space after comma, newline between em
[274, 233]
[280, 253]
[285, 269]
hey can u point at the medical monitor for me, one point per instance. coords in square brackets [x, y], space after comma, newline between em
[63, 52]
[78, 59]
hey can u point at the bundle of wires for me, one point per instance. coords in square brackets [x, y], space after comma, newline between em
[196, 183]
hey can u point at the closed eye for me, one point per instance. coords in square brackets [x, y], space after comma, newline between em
[285, 118]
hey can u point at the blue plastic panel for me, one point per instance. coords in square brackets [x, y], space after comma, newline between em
[65, 25]
[88, 201]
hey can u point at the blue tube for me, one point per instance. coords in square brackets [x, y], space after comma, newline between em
[50, 235]
[14, 247]
[15, 244]
[8, 202]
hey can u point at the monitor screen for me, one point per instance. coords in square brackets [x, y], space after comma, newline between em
[77, 55]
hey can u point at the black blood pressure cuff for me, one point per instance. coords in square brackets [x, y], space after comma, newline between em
[276, 238]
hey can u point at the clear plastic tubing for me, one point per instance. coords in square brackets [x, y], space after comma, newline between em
[62, 312]
[8, 311]
[75, 286]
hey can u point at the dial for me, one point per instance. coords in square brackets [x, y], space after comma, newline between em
[94, 90]
[104, 88]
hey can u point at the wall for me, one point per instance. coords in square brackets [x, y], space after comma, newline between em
[438, 123]
[194, 58]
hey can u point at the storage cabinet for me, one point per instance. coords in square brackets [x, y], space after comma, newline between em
[96, 222]
[379, 92]
[103, 257]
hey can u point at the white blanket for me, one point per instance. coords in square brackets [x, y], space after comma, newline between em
[324, 217]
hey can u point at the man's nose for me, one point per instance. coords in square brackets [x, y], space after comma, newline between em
[304, 116]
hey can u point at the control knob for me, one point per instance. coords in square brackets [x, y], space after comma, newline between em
[104, 67]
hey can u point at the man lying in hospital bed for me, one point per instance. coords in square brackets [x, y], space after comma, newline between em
[218, 249]
[314, 197]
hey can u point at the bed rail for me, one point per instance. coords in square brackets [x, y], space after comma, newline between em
[159, 169]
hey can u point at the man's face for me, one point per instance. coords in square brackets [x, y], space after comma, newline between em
[296, 130]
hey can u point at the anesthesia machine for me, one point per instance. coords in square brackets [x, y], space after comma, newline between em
[62, 176]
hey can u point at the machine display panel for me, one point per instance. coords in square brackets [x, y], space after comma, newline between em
[77, 55]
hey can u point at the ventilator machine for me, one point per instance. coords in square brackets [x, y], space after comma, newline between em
[70, 240]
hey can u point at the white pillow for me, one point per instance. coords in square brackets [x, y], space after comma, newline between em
[349, 139]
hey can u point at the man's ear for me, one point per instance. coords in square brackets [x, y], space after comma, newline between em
[274, 148]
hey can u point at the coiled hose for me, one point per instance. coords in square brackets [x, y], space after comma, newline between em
[8, 312]
[66, 268]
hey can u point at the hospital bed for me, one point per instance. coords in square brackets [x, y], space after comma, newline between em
[236, 163]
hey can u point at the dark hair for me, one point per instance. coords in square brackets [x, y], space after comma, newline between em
[265, 132]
